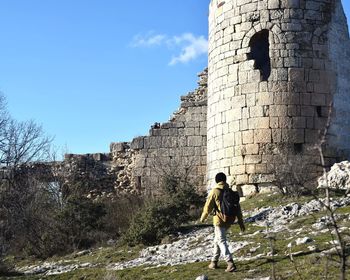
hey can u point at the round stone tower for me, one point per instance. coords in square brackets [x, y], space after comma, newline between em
[278, 78]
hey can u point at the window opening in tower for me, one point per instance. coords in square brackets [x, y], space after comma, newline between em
[259, 52]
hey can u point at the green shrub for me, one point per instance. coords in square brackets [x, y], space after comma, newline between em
[117, 219]
[164, 215]
[80, 222]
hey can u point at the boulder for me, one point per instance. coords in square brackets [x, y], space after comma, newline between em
[337, 178]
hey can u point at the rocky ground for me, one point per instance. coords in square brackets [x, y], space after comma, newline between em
[297, 225]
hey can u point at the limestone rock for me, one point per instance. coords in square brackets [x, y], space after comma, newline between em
[337, 178]
[202, 277]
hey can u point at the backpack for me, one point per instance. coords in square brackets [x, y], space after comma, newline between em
[229, 204]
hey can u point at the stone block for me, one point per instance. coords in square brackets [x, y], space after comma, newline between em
[318, 99]
[249, 189]
[251, 149]
[248, 137]
[194, 141]
[250, 168]
[278, 110]
[250, 88]
[312, 15]
[164, 132]
[243, 124]
[312, 136]
[242, 179]
[293, 110]
[264, 98]
[262, 136]
[192, 123]
[307, 111]
[305, 98]
[262, 6]
[259, 123]
[299, 122]
[260, 168]
[229, 140]
[322, 87]
[252, 159]
[254, 75]
[256, 111]
[297, 86]
[293, 135]
[118, 147]
[296, 74]
[238, 150]
[261, 178]
[169, 142]
[155, 132]
[189, 131]
[243, 77]
[276, 135]
[290, 3]
[245, 113]
[291, 62]
[238, 101]
[187, 152]
[152, 142]
[320, 123]
[229, 152]
[295, 27]
[238, 138]
[273, 4]
[237, 169]
[274, 122]
[296, 13]
[310, 122]
[249, 8]
[182, 141]
[266, 188]
[173, 131]
[233, 126]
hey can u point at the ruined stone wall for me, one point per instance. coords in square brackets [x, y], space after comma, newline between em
[100, 174]
[266, 106]
[174, 148]
[177, 147]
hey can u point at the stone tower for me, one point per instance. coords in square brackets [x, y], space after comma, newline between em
[277, 70]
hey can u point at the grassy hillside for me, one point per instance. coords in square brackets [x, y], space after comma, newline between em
[309, 260]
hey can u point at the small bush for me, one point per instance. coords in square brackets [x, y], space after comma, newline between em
[117, 219]
[294, 176]
[163, 216]
[80, 222]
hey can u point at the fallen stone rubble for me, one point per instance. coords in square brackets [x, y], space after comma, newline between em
[53, 268]
[193, 247]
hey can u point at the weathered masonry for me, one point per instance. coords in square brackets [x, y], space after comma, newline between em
[177, 147]
[173, 148]
[277, 69]
[278, 75]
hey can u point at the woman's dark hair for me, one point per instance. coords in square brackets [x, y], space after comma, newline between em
[220, 177]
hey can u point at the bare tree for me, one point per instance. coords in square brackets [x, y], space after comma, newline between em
[340, 248]
[21, 193]
[24, 142]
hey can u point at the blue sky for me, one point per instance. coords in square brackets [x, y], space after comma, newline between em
[94, 72]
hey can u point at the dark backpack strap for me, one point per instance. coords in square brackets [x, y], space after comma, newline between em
[216, 209]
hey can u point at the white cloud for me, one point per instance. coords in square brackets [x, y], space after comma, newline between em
[189, 46]
[148, 40]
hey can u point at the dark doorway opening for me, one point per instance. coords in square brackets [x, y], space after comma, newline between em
[259, 46]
